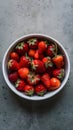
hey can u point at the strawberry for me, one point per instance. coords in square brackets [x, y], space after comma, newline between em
[14, 55]
[42, 47]
[58, 60]
[20, 84]
[31, 53]
[40, 90]
[13, 77]
[54, 83]
[51, 50]
[13, 65]
[48, 64]
[29, 90]
[45, 78]
[33, 79]
[38, 66]
[24, 61]
[33, 43]
[21, 48]
[58, 73]
[23, 72]
[47, 61]
[38, 56]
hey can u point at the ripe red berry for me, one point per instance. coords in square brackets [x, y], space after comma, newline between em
[20, 84]
[46, 80]
[23, 72]
[14, 55]
[33, 43]
[51, 50]
[54, 83]
[40, 90]
[24, 61]
[29, 90]
[38, 66]
[33, 79]
[13, 65]
[58, 60]
[13, 77]
[21, 48]
[58, 73]
[42, 47]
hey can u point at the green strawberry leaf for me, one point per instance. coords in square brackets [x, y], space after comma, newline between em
[41, 93]
[20, 45]
[29, 92]
[32, 41]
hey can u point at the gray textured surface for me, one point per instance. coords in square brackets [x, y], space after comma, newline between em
[51, 17]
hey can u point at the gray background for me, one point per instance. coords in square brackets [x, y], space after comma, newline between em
[51, 17]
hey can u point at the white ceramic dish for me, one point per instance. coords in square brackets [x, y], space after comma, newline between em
[49, 94]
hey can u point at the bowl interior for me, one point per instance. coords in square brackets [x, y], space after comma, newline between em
[24, 38]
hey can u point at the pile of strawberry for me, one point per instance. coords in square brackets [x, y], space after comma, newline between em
[36, 67]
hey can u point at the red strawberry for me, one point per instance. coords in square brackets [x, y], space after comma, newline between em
[24, 61]
[21, 48]
[38, 66]
[59, 73]
[47, 61]
[37, 55]
[42, 47]
[20, 84]
[40, 90]
[13, 65]
[58, 60]
[51, 50]
[33, 79]
[33, 43]
[31, 53]
[55, 83]
[23, 72]
[14, 55]
[46, 80]
[29, 90]
[13, 77]
[48, 64]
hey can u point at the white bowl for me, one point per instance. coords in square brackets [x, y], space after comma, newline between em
[49, 94]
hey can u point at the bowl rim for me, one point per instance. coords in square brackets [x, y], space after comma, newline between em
[36, 98]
